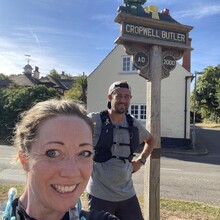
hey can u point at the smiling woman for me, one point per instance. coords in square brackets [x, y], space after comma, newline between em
[54, 141]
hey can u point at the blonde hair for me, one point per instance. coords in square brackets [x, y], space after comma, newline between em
[26, 130]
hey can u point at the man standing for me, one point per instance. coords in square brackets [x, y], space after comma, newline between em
[117, 135]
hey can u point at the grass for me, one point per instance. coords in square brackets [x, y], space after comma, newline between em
[208, 125]
[181, 210]
[170, 209]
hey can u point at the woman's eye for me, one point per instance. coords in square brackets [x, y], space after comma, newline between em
[85, 154]
[53, 153]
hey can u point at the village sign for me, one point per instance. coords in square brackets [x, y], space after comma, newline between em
[155, 41]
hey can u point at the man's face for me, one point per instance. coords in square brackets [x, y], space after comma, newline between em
[120, 100]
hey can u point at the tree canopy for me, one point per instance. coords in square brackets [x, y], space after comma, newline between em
[208, 94]
[55, 74]
[79, 90]
[17, 99]
[3, 76]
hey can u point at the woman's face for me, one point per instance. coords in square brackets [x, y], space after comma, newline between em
[60, 164]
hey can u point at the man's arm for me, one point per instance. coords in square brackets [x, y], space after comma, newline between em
[148, 148]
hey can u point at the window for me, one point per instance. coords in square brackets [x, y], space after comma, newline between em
[127, 65]
[138, 111]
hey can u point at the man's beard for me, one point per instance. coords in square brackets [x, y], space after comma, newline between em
[121, 110]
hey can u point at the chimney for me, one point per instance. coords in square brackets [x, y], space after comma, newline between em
[36, 72]
[186, 60]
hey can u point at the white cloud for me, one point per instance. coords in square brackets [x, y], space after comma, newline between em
[13, 59]
[12, 56]
[198, 12]
[105, 20]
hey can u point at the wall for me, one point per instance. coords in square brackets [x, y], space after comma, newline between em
[172, 92]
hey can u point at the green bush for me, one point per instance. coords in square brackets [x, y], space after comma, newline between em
[16, 99]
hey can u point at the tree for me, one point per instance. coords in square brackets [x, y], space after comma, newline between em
[218, 92]
[79, 90]
[55, 74]
[3, 76]
[17, 99]
[72, 93]
[81, 83]
[208, 94]
[66, 75]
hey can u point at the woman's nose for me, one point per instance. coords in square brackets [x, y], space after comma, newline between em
[70, 168]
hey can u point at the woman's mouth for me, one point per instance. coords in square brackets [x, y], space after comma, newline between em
[64, 189]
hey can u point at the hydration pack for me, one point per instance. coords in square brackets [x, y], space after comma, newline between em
[103, 148]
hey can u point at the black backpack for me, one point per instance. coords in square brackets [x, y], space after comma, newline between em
[103, 148]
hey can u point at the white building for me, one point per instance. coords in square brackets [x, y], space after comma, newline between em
[175, 94]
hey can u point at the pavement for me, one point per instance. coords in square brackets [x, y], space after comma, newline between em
[193, 149]
[198, 149]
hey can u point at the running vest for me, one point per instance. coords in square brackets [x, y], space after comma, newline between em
[103, 148]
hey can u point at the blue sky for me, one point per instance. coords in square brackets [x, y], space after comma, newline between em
[76, 35]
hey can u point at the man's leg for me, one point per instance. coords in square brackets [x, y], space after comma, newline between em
[129, 210]
[100, 204]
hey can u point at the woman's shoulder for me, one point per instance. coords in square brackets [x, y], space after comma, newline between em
[97, 215]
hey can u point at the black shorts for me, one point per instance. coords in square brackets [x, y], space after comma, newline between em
[125, 210]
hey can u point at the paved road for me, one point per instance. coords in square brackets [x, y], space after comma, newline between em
[211, 139]
[182, 176]
[10, 171]
[186, 180]
[194, 177]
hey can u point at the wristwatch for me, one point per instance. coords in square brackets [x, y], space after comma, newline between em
[143, 160]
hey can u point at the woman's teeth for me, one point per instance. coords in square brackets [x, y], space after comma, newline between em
[64, 189]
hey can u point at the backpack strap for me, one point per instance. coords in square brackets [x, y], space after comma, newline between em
[104, 116]
[105, 142]
[130, 120]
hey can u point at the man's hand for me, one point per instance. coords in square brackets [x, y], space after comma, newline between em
[136, 165]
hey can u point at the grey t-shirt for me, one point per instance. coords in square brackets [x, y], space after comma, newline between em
[112, 180]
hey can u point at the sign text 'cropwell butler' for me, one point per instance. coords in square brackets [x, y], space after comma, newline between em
[153, 33]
